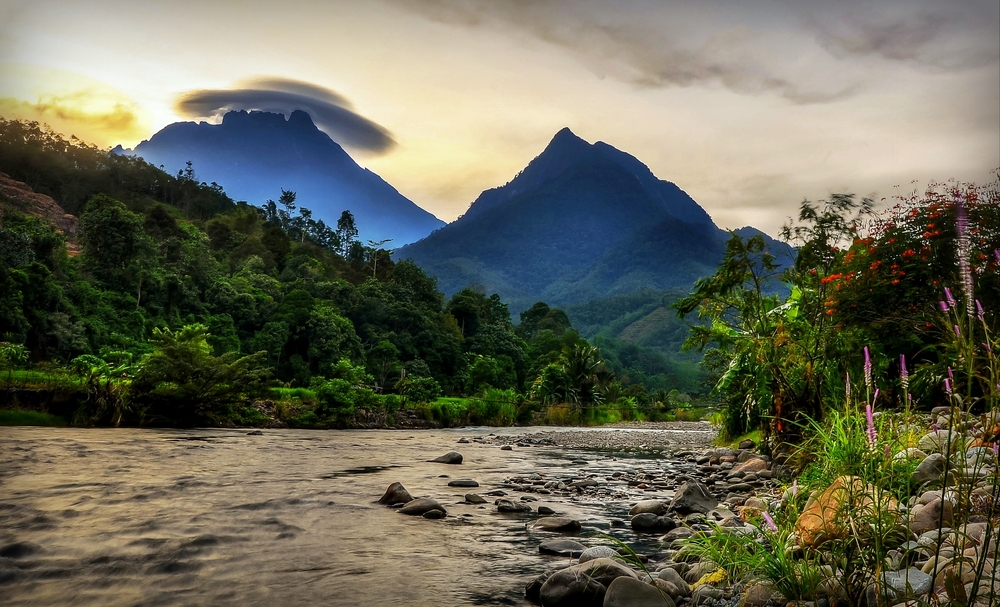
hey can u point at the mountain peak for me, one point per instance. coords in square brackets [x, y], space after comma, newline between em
[566, 142]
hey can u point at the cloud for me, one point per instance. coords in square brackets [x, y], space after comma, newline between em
[88, 116]
[799, 51]
[956, 36]
[331, 112]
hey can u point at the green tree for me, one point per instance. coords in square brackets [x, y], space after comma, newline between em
[181, 382]
[116, 249]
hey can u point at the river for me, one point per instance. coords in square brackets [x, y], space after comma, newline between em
[128, 517]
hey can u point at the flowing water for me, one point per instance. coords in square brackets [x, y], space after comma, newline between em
[127, 517]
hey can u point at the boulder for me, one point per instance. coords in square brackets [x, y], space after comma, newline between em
[562, 547]
[751, 465]
[452, 457]
[628, 592]
[938, 512]
[907, 583]
[463, 482]
[747, 444]
[556, 523]
[606, 570]
[647, 506]
[545, 510]
[598, 552]
[930, 469]
[937, 441]
[847, 498]
[421, 506]
[474, 498]
[510, 506]
[693, 496]
[567, 588]
[435, 514]
[650, 523]
[674, 577]
[395, 494]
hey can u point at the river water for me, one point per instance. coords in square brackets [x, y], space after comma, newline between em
[128, 517]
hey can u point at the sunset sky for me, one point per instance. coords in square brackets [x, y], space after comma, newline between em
[748, 106]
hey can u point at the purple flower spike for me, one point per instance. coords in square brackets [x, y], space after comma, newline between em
[944, 306]
[951, 374]
[868, 369]
[996, 449]
[770, 522]
[949, 297]
[996, 253]
[904, 375]
[872, 435]
[979, 311]
[947, 386]
[887, 451]
[795, 483]
[935, 427]
[987, 347]
[847, 384]
[958, 332]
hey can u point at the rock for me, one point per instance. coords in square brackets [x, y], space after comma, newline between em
[628, 592]
[693, 496]
[703, 594]
[909, 453]
[647, 506]
[598, 552]
[463, 482]
[938, 440]
[679, 533]
[255, 433]
[545, 510]
[938, 512]
[506, 448]
[930, 469]
[587, 482]
[759, 594]
[567, 588]
[435, 514]
[908, 583]
[562, 547]
[827, 516]
[674, 577]
[606, 570]
[751, 465]
[699, 570]
[509, 506]
[395, 494]
[747, 444]
[648, 522]
[667, 588]
[463, 441]
[452, 457]
[420, 506]
[556, 523]
[474, 498]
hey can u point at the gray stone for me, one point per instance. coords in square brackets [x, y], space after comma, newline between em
[693, 496]
[556, 523]
[452, 457]
[908, 583]
[747, 444]
[628, 592]
[420, 506]
[562, 547]
[435, 514]
[938, 440]
[395, 494]
[651, 523]
[703, 594]
[932, 515]
[647, 506]
[931, 469]
[606, 570]
[545, 510]
[509, 506]
[598, 552]
[474, 498]
[506, 448]
[671, 575]
[463, 482]
[567, 588]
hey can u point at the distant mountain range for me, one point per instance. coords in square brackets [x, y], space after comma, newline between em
[581, 221]
[254, 155]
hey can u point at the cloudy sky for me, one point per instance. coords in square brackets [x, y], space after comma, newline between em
[749, 106]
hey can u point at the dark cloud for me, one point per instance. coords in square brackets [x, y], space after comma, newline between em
[771, 47]
[331, 112]
[952, 36]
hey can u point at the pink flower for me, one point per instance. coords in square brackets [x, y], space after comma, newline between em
[795, 483]
[962, 229]
[770, 522]
[904, 375]
[979, 311]
[872, 435]
[868, 369]
[948, 296]
[947, 386]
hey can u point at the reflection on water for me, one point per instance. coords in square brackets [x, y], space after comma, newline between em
[216, 517]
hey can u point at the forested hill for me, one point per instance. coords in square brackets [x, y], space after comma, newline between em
[581, 221]
[255, 154]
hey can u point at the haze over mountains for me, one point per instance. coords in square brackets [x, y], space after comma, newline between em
[253, 155]
[581, 221]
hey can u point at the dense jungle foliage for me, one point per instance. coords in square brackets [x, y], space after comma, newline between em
[176, 305]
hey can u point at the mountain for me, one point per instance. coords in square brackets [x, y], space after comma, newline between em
[581, 221]
[253, 155]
